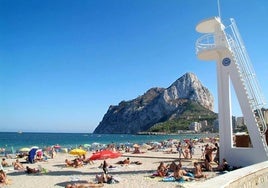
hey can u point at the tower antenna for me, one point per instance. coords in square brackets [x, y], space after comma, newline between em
[219, 9]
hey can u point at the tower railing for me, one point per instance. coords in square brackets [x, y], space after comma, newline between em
[247, 74]
[204, 43]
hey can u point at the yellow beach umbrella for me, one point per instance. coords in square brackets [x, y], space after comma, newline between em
[78, 151]
[24, 149]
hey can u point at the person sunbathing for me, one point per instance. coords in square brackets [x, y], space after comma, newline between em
[198, 171]
[124, 162]
[4, 163]
[3, 177]
[162, 169]
[77, 163]
[17, 165]
[172, 166]
[103, 178]
[69, 163]
[180, 174]
[136, 162]
[224, 166]
[31, 170]
[84, 185]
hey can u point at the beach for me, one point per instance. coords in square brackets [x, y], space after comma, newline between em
[54, 173]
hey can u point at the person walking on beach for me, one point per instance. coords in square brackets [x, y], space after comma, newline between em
[190, 148]
[180, 151]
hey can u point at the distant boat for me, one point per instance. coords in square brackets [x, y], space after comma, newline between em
[19, 132]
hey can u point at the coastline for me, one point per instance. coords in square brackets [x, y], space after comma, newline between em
[13, 141]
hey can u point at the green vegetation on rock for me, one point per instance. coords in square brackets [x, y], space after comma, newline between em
[192, 112]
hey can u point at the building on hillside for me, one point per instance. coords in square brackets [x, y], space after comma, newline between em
[195, 126]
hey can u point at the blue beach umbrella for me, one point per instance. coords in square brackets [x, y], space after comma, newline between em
[32, 154]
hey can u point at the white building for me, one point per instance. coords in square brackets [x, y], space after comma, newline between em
[195, 126]
[240, 121]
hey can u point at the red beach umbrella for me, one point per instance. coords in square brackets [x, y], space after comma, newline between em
[105, 154]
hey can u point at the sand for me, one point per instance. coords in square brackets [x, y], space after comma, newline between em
[57, 175]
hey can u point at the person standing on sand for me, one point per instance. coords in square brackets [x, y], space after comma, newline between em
[180, 151]
[105, 167]
[217, 156]
[190, 148]
[53, 152]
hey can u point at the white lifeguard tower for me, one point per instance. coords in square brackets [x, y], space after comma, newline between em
[224, 44]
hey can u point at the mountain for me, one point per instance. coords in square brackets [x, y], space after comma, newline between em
[155, 106]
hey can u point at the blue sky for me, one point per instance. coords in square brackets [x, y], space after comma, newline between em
[64, 62]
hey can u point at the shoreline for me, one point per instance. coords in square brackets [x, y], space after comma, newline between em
[12, 142]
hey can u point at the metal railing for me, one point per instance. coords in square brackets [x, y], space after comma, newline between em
[248, 74]
[206, 42]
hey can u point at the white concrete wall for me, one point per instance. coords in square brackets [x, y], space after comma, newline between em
[254, 176]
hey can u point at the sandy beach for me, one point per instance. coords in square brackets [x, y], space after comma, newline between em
[56, 174]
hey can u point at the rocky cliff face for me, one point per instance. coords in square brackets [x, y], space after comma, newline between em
[156, 105]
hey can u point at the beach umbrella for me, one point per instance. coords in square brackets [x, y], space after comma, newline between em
[78, 152]
[57, 146]
[64, 150]
[24, 149]
[32, 154]
[34, 147]
[145, 146]
[105, 154]
[136, 146]
[156, 143]
[39, 152]
[95, 144]
[87, 145]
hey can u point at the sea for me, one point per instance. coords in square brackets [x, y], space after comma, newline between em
[12, 142]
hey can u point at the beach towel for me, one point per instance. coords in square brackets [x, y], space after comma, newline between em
[74, 178]
[168, 179]
[172, 179]
[189, 174]
[42, 170]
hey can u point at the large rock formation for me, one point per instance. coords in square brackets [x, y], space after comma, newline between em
[156, 105]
